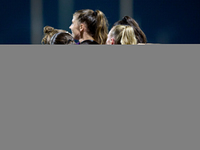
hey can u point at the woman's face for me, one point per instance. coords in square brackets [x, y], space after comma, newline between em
[109, 40]
[75, 28]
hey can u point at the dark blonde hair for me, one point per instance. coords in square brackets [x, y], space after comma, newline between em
[123, 35]
[48, 33]
[97, 24]
[62, 38]
[126, 20]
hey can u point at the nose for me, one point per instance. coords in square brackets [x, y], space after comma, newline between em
[70, 26]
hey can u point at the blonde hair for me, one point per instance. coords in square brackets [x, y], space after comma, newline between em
[48, 33]
[123, 35]
[97, 23]
[140, 36]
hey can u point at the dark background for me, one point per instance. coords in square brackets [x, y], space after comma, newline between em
[166, 21]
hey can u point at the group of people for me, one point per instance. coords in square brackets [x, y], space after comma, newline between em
[91, 27]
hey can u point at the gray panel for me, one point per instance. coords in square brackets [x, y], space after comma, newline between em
[99, 97]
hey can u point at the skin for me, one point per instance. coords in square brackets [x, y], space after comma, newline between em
[75, 28]
[110, 40]
[79, 30]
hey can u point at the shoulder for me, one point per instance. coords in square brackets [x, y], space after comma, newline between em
[89, 42]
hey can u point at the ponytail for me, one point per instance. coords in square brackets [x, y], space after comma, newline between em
[101, 28]
[128, 36]
[123, 35]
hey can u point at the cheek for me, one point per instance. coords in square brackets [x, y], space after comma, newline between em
[108, 40]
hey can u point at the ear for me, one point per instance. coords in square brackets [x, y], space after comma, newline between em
[81, 27]
[112, 41]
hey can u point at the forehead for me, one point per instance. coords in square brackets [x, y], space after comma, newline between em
[74, 18]
[110, 32]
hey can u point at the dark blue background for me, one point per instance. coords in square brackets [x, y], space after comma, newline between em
[163, 21]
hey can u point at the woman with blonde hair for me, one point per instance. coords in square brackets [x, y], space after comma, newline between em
[121, 34]
[127, 20]
[50, 33]
[89, 27]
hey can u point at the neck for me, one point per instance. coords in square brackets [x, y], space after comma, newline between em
[86, 36]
